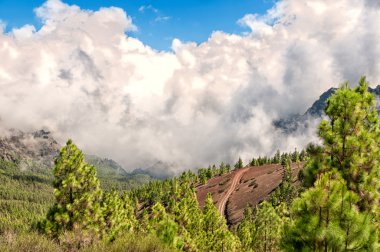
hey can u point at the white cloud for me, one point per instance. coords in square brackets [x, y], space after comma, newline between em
[162, 19]
[150, 7]
[25, 32]
[82, 77]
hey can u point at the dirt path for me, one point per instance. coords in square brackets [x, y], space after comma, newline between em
[235, 181]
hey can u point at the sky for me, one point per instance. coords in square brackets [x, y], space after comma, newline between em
[158, 22]
[182, 98]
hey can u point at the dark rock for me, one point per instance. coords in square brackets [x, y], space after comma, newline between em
[316, 111]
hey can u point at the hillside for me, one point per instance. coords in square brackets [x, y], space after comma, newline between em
[26, 178]
[254, 185]
[35, 152]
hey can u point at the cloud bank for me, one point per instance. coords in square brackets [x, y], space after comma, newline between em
[82, 77]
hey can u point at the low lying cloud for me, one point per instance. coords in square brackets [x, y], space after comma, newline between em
[82, 77]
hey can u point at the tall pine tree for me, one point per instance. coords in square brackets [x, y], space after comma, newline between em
[77, 194]
[351, 141]
[217, 237]
[341, 211]
[326, 218]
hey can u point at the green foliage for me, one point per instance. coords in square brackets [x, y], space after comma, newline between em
[206, 174]
[313, 166]
[24, 197]
[171, 212]
[77, 194]
[277, 157]
[118, 215]
[246, 229]
[222, 168]
[228, 168]
[239, 164]
[351, 143]
[165, 228]
[326, 218]
[295, 156]
[261, 230]
[217, 237]
[286, 191]
[268, 228]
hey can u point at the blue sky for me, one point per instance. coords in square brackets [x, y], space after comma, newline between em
[158, 21]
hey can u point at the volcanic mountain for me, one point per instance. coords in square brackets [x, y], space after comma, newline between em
[234, 191]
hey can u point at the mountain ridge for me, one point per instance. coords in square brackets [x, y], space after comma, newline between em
[35, 151]
[295, 122]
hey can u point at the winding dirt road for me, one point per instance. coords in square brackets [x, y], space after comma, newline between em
[235, 181]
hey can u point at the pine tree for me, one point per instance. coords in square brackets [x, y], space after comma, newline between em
[202, 175]
[277, 157]
[118, 215]
[313, 166]
[285, 159]
[209, 173]
[222, 168]
[353, 137]
[253, 162]
[246, 229]
[351, 140]
[239, 164]
[189, 217]
[326, 218]
[303, 155]
[295, 156]
[286, 191]
[268, 228]
[164, 227]
[228, 168]
[341, 211]
[77, 194]
[217, 237]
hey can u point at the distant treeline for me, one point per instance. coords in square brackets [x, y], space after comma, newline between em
[205, 174]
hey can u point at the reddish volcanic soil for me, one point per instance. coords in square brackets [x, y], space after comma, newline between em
[232, 192]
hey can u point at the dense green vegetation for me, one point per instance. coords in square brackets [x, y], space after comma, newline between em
[26, 195]
[335, 207]
[339, 212]
[338, 208]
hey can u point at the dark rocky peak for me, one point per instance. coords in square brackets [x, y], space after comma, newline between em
[41, 134]
[33, 149]
[316, 110]
[375, 90]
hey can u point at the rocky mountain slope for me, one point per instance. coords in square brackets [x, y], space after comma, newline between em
[315, 112]
[35, 151]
